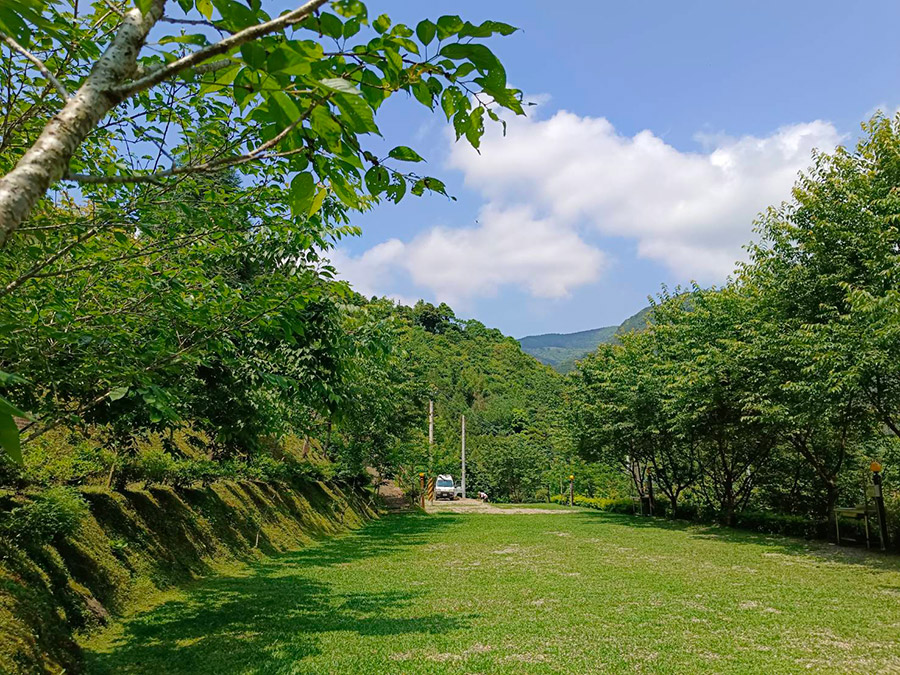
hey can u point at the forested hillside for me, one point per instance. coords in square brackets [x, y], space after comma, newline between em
[560, 350]
[516, 441]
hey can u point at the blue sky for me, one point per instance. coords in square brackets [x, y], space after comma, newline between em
[661, 129]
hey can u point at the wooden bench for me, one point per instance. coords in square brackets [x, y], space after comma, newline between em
[859, 512]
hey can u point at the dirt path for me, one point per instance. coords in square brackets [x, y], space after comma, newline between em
[476, 506]
[392, 496]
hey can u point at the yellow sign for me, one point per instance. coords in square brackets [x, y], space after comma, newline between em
[875, 466]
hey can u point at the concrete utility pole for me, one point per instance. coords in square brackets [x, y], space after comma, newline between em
[463, 482]
[430, 430]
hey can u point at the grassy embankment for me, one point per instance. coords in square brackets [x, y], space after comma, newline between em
[137, 543]
[576, 591]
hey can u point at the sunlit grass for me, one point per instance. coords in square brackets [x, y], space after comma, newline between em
[570, 592]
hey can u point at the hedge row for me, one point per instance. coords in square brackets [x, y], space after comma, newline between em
[758, 521]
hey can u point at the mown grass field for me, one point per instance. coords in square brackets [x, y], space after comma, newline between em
[567, 592]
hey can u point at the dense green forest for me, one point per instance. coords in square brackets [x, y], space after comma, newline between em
[776, 392]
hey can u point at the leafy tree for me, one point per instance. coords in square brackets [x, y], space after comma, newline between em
[620, 410]
[162, 160]
[824, 276]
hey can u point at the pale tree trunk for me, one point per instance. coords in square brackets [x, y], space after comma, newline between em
[47, 160]
[110, 82]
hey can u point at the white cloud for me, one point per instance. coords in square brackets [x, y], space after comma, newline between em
[692, 211]
[509, 246]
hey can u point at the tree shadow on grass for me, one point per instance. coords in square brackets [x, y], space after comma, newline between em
[272, 616]
[784, 545]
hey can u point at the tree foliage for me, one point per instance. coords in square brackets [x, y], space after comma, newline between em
[770, 391]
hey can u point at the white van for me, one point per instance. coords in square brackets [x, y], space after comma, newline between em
[445, 488]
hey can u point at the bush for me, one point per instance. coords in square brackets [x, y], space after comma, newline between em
[154, 465]
[68, 457]
[621, 505]
[55, 513]
[186, 472]
[780, 523]
[10, 472]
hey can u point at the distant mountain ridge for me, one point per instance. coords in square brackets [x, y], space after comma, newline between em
[560, 351]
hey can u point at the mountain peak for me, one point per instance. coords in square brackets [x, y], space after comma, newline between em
[560, 351]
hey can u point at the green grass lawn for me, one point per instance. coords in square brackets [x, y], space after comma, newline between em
[573, 592]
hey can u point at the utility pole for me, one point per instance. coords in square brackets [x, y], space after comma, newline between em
[430, 430]
[463, 482]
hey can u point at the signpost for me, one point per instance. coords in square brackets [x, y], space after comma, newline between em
[422, 490]
[879, 504]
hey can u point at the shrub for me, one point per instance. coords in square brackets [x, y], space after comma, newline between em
[780, 523]
[266, 468]
[10, 472]
[67, 456]
[55, 513]
[186, 472]
[620, 505]
[154, 465]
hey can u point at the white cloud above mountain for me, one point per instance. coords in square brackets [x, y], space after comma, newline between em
[554, 187]
[692, 211]
[508, 246]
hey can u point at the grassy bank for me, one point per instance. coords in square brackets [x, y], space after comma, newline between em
[570, 592]
[135, 543]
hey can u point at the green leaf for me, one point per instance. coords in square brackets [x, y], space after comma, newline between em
[286, 105]
[117, 393]
[330, 25]
[324, 124]
[425, 31]
[235, 15]
[194, 39]
[423, 94]
[377, 179]
[382, 23]
[351, 28]
[356, 114]
[205, 8]
[481, 56]
[254, 54]
[303, 190]
[397, 189]
[9, 438]
[287, 59]
[317, 201]
[405, 154]
[7, 379]
[448, 25]
[486, 29]
[246, 83]
[344, 190]
[476, 127]
[341, 85]
[223, 78]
